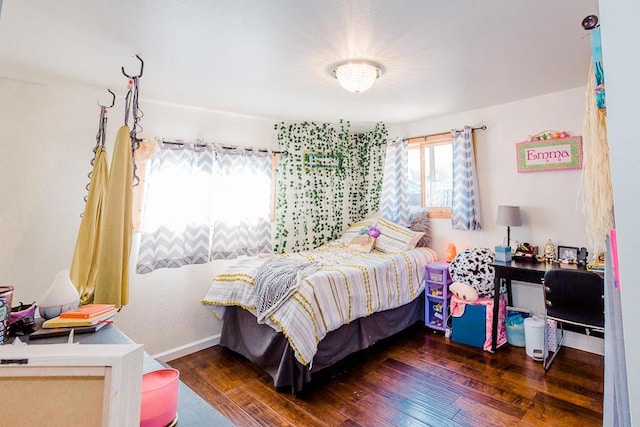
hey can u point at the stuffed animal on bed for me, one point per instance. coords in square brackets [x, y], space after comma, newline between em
[463, 291]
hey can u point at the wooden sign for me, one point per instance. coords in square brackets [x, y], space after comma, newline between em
[549, 154]
[322, 160]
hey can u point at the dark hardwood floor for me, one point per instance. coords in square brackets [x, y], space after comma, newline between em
[413, 379]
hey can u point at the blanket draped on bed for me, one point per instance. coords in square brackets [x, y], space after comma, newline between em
[276, 280]
[342, 286]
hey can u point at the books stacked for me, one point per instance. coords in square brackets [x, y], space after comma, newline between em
[88, 318]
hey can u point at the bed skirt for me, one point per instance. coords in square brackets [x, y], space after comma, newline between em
[270, 350]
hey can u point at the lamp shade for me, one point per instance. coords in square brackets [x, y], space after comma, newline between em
[509, 216]
[356, 76]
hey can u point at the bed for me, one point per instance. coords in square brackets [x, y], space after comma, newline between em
[328, 303]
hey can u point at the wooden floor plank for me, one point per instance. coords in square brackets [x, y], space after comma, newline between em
[283, 404]
[546, 413]
[474, 413]
[237, 415]
[417, 378]
[470, 388]
[414, 399]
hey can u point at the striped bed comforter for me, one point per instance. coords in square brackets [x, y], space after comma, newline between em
[345, 286]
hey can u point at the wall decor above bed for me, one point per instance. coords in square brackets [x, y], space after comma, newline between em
[553, 152]
[322, 160]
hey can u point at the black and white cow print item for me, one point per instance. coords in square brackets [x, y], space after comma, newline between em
[473, 267]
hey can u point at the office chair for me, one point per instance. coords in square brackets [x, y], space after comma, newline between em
[574, 297]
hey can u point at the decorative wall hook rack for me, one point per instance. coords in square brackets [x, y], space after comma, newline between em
[132, 107]
[100, 137]
[113, 100]
[141, 69]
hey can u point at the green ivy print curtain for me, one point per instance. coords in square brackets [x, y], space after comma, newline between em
[316, 200]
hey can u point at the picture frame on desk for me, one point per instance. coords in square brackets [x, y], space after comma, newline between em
[567, 255]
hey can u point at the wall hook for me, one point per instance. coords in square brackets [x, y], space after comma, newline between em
[590, 22]
[113, 100]
[141, 69]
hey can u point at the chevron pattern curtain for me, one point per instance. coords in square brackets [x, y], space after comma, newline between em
[192, 213]
[241, 225]
[465, 207]
[394, 201]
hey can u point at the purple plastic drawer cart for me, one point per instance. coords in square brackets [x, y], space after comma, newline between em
[436, 291]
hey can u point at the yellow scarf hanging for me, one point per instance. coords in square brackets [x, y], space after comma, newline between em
[112, 279]
[83, 265]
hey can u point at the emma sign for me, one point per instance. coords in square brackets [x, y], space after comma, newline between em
[549, 154]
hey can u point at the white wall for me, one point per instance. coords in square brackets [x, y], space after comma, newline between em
[549, 201]
[47, 135]
[620, 37]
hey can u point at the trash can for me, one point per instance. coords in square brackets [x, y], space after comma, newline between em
[534, 337]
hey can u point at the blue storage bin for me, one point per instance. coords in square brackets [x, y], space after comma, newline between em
[515, 330]
[470, 328]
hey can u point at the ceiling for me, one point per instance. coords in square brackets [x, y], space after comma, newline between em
[272, 58]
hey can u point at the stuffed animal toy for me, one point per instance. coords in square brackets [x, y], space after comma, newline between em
[463, 291]
[473, 267]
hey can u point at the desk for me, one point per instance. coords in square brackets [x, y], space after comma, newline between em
[532, 272]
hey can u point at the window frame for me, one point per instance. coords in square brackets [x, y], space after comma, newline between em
[420, 143]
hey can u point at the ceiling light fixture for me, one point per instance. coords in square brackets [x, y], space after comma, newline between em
[356, 76]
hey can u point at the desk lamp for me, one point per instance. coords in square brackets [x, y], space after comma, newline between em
[509, 216]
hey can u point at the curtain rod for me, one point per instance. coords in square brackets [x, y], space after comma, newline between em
[229, 147]
[483, 127]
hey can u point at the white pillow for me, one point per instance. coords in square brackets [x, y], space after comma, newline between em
[395, 238]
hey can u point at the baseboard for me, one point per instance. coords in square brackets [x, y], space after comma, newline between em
[184, 350]
[584, 342]
[573, 340]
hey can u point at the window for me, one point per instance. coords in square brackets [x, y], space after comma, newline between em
[204, 203]
[431, 174]
[230, 187]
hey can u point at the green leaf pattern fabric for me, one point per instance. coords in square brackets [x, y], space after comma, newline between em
[315, 204]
